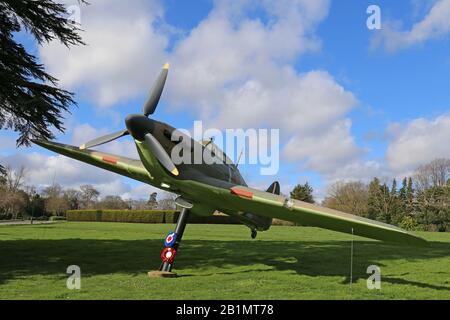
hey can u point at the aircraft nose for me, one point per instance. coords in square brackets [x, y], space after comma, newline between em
[139, 125]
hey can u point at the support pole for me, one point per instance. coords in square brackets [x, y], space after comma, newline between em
[179, 230]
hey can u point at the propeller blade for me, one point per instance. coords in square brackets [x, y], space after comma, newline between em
[104, 139]
[155, 93]
[160, 154]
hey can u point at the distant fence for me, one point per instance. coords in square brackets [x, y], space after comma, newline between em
[144, 216]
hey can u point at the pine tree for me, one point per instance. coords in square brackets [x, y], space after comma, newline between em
[434, 207]
[396, 210]
[385, 200]
[374, 199]
[410, 197]
[402, 195]
[382, 201]
[30, 101]
[303, 192]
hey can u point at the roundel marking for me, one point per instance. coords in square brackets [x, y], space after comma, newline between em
[170, 239]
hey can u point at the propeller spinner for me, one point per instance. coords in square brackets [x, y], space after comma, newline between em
[141, 127]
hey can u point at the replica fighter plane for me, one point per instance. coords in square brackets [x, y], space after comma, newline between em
[204, 188]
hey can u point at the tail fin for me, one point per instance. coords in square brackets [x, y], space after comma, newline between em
[274, 188]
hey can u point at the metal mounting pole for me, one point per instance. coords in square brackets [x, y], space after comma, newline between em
[179, 230]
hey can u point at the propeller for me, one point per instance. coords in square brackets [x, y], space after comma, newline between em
[160, 154]
[104, 139]
[155, 92]
[139, 126]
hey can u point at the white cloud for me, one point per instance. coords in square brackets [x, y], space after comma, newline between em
[409, 145]
[300, 103]
[434, 25]
[418, 142]
[123, 146]
[116, 187]
[234, 70]
[123, 52]
[125, 191]
[327, 152]
[85, 132]
[240, 74]
[42, 170]
[359, 170]
[228, 51]
[142, 191]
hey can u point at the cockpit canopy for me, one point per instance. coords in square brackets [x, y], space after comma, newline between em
[217, 152]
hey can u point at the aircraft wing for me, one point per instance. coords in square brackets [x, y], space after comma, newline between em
[124, 166]
[246, 199]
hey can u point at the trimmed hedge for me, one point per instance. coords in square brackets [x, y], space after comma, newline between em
[82, 215]
[143, 216]
[171, 217]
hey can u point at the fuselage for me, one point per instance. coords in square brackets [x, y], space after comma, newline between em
[213, 170]
[195, 158]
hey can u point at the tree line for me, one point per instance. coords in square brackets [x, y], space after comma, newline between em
[420, 202]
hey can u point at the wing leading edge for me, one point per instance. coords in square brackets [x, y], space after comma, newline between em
[263, 203]
[124, 166]
[245, 199]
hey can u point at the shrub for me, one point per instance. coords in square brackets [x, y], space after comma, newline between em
[143, 216]
[82, 215]
[171, 217]
[408, 223]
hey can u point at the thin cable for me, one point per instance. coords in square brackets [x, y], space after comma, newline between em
[351, 262]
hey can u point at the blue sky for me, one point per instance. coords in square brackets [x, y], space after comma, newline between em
[350, 102]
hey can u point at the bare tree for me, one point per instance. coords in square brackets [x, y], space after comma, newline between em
[73, 198]
[168, 202]
[433, 174]
[13, 204]
[53, 191]
[140, 204]
[349, 197]
[14, 178]
[56, 205]
[89, 195]
[112, 202]
[55, 202]
[439, 172]
[13, 200]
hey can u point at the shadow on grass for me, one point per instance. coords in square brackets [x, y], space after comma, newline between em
[20, 258]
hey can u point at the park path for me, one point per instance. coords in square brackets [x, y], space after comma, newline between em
[20, 222]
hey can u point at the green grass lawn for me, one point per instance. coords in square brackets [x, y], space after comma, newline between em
[214, 262]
